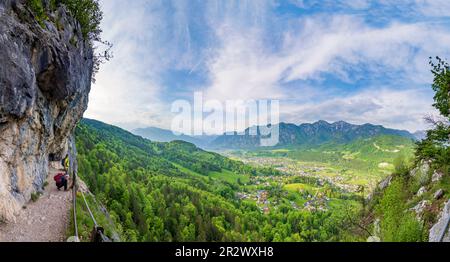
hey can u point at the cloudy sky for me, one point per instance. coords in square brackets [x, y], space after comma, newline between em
[360, 61]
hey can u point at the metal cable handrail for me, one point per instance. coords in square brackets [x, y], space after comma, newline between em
[74, 199]
[98, 232]
[89, 210]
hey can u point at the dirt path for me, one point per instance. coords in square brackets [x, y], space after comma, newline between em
[45, 220]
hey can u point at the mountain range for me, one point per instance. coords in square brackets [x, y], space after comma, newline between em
[162, 135]
[291, 135]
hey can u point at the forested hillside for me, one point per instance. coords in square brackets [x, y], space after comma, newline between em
[177, 192]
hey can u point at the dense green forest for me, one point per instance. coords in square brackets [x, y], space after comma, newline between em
[175, 192]
[178, 192]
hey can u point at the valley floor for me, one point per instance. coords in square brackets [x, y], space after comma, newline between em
[45, 220]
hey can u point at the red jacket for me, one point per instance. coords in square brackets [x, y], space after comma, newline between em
[58, 177]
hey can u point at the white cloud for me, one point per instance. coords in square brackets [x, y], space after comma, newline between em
[247, 52]
[438, 8]
[341, 45]
[401, 109]
[336, 45]
[242, 69]
[151, 37]
[128, 90]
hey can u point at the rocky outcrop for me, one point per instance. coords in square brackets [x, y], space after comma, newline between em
[385, 183]
[420, 208]
[441, 228]
[421, 172]
[45, 77]
[437, 176]
[439, 194]
[421, 191]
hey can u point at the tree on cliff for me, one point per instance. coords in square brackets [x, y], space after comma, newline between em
[88, 13]
[436, 146]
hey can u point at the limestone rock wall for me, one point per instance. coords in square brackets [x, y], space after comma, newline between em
[45, 79]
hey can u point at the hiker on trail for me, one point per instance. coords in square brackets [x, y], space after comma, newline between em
[66, 163]
[61, 180]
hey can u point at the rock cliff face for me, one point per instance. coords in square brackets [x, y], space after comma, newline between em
[45, 77]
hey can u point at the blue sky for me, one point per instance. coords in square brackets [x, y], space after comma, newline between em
[360, 61]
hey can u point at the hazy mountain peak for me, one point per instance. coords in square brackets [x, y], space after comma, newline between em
[321, 122]
[162, 135]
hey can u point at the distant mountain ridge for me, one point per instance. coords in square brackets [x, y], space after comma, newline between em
[291, 135]
[314, 134]
[162, 135]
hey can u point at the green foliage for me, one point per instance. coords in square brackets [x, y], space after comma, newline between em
[86, 12]
[410, 230]
[35, 196]
[361, 162]
[401, 166]
[396, 224]
[436, 146]
[38, 9]
[173, 192]
[86, 224]
[359, 154]
[441, 85]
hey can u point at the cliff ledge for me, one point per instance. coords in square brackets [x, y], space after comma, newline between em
[45, 79]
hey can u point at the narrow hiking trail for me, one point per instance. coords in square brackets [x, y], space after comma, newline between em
[45, 220]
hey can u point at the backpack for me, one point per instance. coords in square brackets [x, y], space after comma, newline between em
[58, 178]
